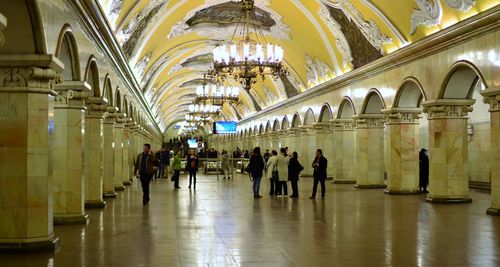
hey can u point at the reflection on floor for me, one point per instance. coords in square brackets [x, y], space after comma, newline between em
[220, 224]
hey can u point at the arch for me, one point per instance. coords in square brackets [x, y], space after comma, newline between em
[276, 125]
[285, 124]
[91, 75]
[325, 114]
[460, 81]
[268, 127]
[410, 94]
[296, 121]
[309, 118]
[67, 52]
[255, 130]
[125, 106]
[118, 100]
[346, 109]
[374, 103]
[261, 128]
[108, 90]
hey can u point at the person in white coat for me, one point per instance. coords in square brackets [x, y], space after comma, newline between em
[280, 164]
[269, 173]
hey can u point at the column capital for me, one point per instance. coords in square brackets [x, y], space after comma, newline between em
[448, 108]
[96, 106]
[72, 94]
[30, 73]
[492, 97]
[3, 25]
[397, 115]
[368, 121]
[342, 124]
[322, 127]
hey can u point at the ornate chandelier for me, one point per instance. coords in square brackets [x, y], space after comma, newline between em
[204, 110]
[196, 120]
[248, 55]
[216, 94]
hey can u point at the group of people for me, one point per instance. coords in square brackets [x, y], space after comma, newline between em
[280, 168]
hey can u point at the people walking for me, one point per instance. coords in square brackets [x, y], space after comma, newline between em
[281, 166]
[319, 164]
[424, 170]
[144, 166]
[269, 171]
[192, 167]
[256, 168]
[225, 165]
[294, 169]
[176, 166]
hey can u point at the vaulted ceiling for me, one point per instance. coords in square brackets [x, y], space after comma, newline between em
[169, 42]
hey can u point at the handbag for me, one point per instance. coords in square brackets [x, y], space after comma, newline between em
[275, 174]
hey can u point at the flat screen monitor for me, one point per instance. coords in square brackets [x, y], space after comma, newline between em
[224, 127]
[192, 143]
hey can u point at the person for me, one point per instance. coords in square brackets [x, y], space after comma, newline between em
[281, 165]
[144, 166]
[294, 169]
[176, 166]
[164, 162]
[319, 164]
[256, 167]
[269, 166]
[424, 170]
[225, 165]
[267, 155]
[192, 167]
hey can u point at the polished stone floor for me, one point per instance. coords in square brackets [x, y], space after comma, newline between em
[220, 224]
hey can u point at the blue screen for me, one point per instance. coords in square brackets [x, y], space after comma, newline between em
[224, 127]
[192, 143]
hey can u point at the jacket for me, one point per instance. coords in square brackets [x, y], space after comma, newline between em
[176, 164]
[294, 169]
[256, 166]
[190, 161]
[270, 164]
[320, 171]
[151, 161]
[281, 165]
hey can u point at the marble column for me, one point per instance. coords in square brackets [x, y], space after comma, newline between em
[324, 140]
[448, 179]
[126, 177]
[118, 157]
[401, 151]
[26, 133]
[306, 148]
[108, 129]
[69, 126]
[492, 97]
[344, 146]
[94, 152]
[132, 153]
[369, 151]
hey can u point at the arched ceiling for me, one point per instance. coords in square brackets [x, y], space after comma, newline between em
[169, 42]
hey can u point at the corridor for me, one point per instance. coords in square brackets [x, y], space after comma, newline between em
[220, 224]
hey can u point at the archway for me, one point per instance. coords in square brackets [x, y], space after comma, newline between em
[67, 52]
[325, 115]
[92, 76]
[296, 122]
[309, 117]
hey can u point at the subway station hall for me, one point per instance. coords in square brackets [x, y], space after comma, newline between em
[249, 133]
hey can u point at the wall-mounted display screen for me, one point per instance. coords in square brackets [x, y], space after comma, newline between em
[192, 143]
[224, 127]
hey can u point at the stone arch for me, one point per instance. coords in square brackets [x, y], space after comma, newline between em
[296, 121]
[276, 125]
[255, 130]
[118, 100]
[374, 102]
[285, 124]
[261, 128]
[309, 118]
[325, 115]
[268, 127]
[125, 106]
[460, 81]
[410, 94]
[108, 90]
[67, 52]
[346, 109]
[91, 76]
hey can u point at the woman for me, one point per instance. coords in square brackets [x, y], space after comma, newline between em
[176, 166]
[281, 166]
[271, 162]
[294, 169]
[225, 165]
[192, 167]
[256, 167]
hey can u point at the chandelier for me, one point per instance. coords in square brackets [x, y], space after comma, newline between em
[216, 94]
[196, 120]
[203, 110]
[248, 54]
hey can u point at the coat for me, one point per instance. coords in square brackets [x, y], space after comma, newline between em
[279, 163]
[176, 164]
[225, 161]
[151, 161]
[190, 161]
[424, 169]
[320, 171]
[256, 166]
[294, 169]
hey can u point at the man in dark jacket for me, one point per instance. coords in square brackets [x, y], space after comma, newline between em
[192, 167]
[144, 166]
[424, 170]
[319, 164]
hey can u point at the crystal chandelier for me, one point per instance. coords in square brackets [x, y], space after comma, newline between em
[204, 110]
[216, 94]
[196, 120]
[248, 54]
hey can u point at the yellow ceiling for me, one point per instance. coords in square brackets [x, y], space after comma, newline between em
[309, 34]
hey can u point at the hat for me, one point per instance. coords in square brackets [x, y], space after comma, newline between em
[423, 150]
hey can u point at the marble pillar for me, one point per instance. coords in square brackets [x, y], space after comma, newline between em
[26, 133]
[126, 177]
[448, 179]
[108, 130]
[69, 128]
[94, 152]
[492, 97]
[306, 148]
[132, 152]
[118, 158]
[402, 148]
[369, 151]
[344, 146]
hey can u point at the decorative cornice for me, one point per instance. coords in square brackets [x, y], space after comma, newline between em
[402, 115]
[342, 125]
[72, 94]
[462, 5]
[429, 13]
[492, 97]
[364, 121]
[448, 108]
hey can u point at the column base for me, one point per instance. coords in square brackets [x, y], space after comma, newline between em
[127, 183]
[369, 186]
[23, 246]
[109, 195]
[448, 200]
[493, 211]
[402, 191]
[95, 204]
[71, 219]
[344, 181]
[119, 188]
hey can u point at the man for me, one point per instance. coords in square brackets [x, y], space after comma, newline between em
[267, 155]
[144, 165]
[192, 167]
[164, 162]
[424, 170]
[319, 164]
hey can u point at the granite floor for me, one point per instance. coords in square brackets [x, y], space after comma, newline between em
[220, 224]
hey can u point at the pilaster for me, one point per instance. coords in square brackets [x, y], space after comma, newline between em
[448, 149]
[118, 159]
[109, 154]
[344, 146]
[126, 177]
